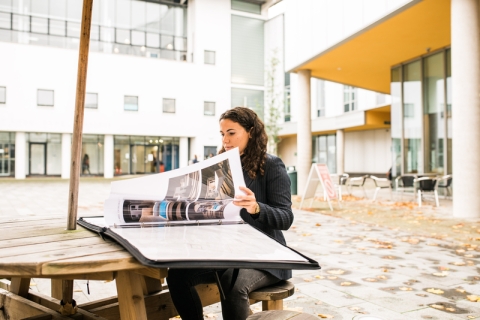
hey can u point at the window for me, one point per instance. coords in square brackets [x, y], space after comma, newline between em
[45, 98]
[349, 98]
[209, 108]
[320, 98]
[409, 110]
[246, 6]
[91, 100]
[287, 107]
[3, 95]
[252, 99]
[168, 105]
[130, 103]
[209, 57]
[247, 44]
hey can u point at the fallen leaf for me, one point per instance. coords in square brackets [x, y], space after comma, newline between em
[371, 279]
[346, 252]
[450, 309]
[405, 288]
[307, 279]
[440, 274]
[422, 295]
[460, 290]
[332, 277]
[382, 277]
[346, 284]
[437, 306]
[318, 224]
[306, 234]
[459, 263]
[473, 298]
[336, 271]
[436, 291]
[319, 277]
[325, 316]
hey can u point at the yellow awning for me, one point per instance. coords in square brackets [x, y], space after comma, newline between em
[364, 60]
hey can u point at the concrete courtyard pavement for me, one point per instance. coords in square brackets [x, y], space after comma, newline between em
[378, 259]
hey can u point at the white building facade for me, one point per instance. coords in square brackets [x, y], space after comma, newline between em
[159, 75]
[346, 127]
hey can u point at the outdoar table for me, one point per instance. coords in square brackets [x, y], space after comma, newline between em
[43, 248]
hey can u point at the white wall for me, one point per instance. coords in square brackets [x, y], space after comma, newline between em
[368, 151]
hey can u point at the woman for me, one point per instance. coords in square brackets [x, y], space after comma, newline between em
[266, 205]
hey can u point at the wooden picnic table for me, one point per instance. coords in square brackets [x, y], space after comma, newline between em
[43, 248]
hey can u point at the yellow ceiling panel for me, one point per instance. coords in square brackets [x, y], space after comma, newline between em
[364, 60]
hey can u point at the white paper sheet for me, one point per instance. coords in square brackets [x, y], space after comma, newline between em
[238, 242]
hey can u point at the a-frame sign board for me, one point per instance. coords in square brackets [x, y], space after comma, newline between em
[319, 175]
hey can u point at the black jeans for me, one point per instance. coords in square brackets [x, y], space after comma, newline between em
[182, 282]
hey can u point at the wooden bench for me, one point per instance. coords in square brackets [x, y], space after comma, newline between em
[272, 296]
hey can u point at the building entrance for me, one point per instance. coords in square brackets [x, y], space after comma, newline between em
[144, 159]
[5, 163]
[38, 158]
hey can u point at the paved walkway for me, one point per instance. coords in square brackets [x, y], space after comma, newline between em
[367, 269]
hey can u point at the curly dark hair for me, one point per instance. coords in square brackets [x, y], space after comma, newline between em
[255, 154]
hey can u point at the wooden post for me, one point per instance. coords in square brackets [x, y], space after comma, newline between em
[75, 160]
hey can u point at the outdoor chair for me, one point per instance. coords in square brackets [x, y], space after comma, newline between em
[406, 183]
[447, 185]
[426, 185]
[357, 182]
[381, 183]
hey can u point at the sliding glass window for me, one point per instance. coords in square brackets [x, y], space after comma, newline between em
[434, 129]
[448, 68]
[412, 117]
[396, 120]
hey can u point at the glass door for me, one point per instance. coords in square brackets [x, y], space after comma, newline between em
[4, 159]
[38, 158]
[137, 159]
[151, 161]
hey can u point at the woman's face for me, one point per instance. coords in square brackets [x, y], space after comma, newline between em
[233, 135]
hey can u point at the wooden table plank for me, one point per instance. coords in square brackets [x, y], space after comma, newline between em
[54, 247]
[13, 243]
[112, 261]
[32, 264]
[37, 231]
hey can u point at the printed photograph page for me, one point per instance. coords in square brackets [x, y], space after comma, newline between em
[200, 192]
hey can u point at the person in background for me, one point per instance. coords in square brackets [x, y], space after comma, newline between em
[195, 159]
[266, 204]
[86, 164]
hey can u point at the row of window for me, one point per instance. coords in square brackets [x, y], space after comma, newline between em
[45, 98]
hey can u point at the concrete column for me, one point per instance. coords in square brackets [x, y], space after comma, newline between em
[304, 131]
[183, 150]
[466, 107]
[66, 154]
[20, 155]
[340, 151]
[108, 155]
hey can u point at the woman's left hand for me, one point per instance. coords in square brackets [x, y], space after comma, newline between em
[247, 201]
